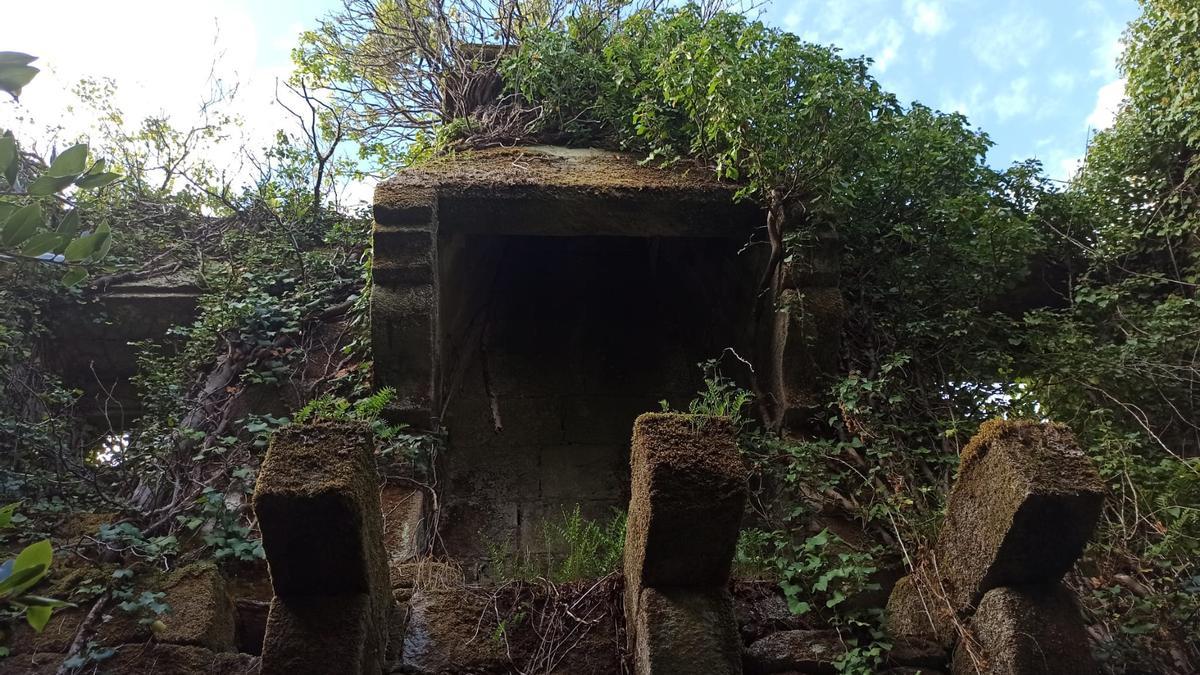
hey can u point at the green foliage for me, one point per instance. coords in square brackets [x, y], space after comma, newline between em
[577, 549]
[20, 574]
[34, 225]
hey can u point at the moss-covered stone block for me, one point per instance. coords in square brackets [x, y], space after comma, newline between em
[317, 502]
[805, 651]
[688, 489]
[450, 630]
[314, 635]
[202, 612]
[915, 611]
[1024, 505]
[683, 631]
[1031, 630]
[318, 507]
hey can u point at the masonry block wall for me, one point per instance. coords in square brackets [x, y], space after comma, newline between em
[531, 302]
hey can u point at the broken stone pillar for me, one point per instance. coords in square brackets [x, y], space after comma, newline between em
[688, 489]
[1032, 630]
[403, 300]
[805, 334]
[1021, 511]
[317, 502]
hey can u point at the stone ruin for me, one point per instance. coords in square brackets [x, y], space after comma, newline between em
[1024, 505]
[530, 305]
[532, 302]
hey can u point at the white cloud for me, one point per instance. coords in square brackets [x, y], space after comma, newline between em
[1014, 38]
[1108, 102]
[1063, 81]
[964, 102]
[928, 18]
[1015, 101]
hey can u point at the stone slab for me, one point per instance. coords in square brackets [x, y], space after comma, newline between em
[314, 635]
[684, 631]
[1030, 630]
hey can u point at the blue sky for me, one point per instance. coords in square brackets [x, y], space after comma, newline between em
[1037, 76]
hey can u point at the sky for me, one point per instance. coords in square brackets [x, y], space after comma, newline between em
[1037, 76]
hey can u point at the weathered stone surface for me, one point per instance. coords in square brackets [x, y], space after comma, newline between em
[1029, 630]
[915, 611]
[807, 651]
[805, 345]
[317, 502]
[450, 631]
[310, 634]
[36, 663]
[683, 631]
[318, 507]
[251, 624]
[688, 488]
[761, 609]
[202, 613]
[404, 525]
[917, 652]
[157, 659]
[1021, 511]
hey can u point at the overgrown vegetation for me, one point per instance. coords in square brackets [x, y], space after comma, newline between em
[972, 291]
[572, 548]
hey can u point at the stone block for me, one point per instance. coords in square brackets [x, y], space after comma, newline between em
[318, 507]
[806, 651]
[805, 344]
[313, 635]
[914, 611]
[683, 631]
[688, 489]
[450, 631]
[1030, 630]
[317, 502]
[404, 525]
[1023, 507]
[202, 612]
[155, 659]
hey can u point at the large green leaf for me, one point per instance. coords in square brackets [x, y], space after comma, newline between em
[13, 77]
[42, 242]
[71, 162]
[19, 580]
[37, 553]
[8, 157]
[40, 601]
[91, 182]
[74, 276]
[21, 225]
[16, 59]
[38, 617]
[81, 248]
[48, 185]
[69, 226]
